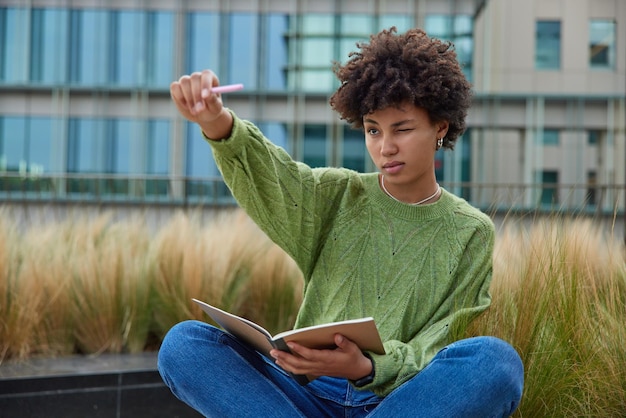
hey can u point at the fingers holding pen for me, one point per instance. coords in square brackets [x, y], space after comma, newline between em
[198, 98]
[192, 93]
[201, 84]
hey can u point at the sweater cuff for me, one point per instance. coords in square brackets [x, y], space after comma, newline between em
[230, 144]
[386, 370]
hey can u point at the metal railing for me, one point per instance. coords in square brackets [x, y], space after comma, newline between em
[151, 189]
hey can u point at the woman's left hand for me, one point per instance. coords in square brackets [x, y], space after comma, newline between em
[347, 360]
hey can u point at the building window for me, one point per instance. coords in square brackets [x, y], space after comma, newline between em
[89, 47]
[157, 157]
[548, 45]
[591, 198]
[160, 49]
[203, 39]
[353, 149]
[314, 147]
[244, 49]
[26, 153]
[14, 45]
[148, 39]
[548, 137]
[551, 137]
[549, 187]
[593, 137]
[275, 77]
[49, 37]
[25, 145]
[119, 147]
[199, 165]
[253, 42]
[602, 44]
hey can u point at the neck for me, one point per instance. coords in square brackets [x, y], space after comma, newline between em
[429, 198]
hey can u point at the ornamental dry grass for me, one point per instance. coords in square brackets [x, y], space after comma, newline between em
[95, 285]
[228, 263]
[559, 293]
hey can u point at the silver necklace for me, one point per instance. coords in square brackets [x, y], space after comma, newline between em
[432, 196]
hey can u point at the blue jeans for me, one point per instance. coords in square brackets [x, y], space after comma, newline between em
[220, 377]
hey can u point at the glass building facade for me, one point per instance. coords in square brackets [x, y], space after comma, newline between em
[93, 118]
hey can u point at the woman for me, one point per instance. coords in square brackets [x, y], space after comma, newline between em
[392, 245]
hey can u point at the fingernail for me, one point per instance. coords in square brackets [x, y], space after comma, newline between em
[205, 93]
[199, 106]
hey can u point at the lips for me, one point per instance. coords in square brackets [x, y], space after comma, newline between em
[392, 167]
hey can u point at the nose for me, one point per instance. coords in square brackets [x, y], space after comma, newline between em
[388, 147]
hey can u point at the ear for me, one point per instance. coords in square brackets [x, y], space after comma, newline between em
[442, 128]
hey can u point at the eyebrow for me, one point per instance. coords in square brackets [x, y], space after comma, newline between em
[394, 125]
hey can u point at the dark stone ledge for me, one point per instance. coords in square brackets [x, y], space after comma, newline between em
[120, 386]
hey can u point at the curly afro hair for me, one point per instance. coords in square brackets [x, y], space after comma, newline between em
[393, 69]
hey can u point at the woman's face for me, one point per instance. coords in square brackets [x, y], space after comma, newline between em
[402, 142]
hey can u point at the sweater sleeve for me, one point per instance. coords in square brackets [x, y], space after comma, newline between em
[285, 198]
[468, 297]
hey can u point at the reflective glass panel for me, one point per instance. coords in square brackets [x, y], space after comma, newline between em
[244, 49]
[317, 24]
[13, 144]
[602, 43]
[49, 56]
[89, 47]
[160, 49]
[276, 53]
[200, 167]
[317, 52]
[463, 25]
[401, 22]
[120, 146]
[158, 147]
[199, 160]
[86, 151]
[355, 24]
[128, 58]
[13, 67]
[550, 137]
[548, 45]
[204, 41]
[439, 26]
[354, 151]
[318, 80]
[39, 145]
[315, 145]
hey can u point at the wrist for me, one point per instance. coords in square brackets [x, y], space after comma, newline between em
[218, 128]
[369, 378]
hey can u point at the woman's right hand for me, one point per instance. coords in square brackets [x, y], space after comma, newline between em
[194, 100]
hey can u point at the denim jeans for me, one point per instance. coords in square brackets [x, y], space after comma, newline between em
[220, 377]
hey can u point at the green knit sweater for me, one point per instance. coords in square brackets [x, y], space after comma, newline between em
[418, 270]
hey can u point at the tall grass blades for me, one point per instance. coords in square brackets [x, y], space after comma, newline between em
[558, 297]
[46, 280]
[110, 296]
[15, 340]
[228, 263]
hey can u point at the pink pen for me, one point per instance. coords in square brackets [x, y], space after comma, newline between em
[227, 88]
